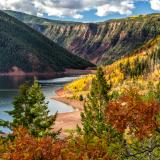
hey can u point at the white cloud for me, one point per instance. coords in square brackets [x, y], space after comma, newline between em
[26, 6]
[155, 4]
[125, 7]
[78, 16]
[71, 8]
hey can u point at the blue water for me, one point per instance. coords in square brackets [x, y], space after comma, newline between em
[9, 89]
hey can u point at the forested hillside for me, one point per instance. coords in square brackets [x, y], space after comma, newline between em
[24, 49]
[101, 43]
[141, 69]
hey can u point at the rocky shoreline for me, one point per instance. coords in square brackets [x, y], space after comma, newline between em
[18, 72]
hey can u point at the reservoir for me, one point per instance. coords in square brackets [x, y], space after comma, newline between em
[9, 89]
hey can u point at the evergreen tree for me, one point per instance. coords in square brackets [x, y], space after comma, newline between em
[31, 111]
[93, 117]
[158, 92]
[81, 98]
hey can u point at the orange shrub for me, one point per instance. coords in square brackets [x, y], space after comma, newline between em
[131, 111]
[81, 149]
[27, 147]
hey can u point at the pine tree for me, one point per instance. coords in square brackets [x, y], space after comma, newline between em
[158, 92]
[31, 111]
[93, 117]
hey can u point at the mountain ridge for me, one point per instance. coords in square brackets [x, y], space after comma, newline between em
[23, 49]
[103, 42]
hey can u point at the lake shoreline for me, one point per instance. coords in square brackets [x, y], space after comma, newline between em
[67, 72]
[68, 121]
[69, 109]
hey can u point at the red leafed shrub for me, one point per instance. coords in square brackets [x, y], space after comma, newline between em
[80, 149]
[27, 147]
[131, 111]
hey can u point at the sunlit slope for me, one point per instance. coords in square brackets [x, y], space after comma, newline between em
[142, 70]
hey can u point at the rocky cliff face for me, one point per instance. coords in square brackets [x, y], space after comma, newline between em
[102, 42]
[105, 42]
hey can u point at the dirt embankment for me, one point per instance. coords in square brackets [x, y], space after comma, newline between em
[61, 96]
[68, 121]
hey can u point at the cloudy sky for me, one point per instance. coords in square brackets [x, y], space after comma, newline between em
[82, 10]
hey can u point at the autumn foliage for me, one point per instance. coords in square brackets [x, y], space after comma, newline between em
[27, 147]
[132, 112]
[123, 126]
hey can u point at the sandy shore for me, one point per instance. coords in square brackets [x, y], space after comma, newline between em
[77, 105]
[68, 121]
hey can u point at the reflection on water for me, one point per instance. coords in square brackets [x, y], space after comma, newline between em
[8, 82]
[9, 89]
